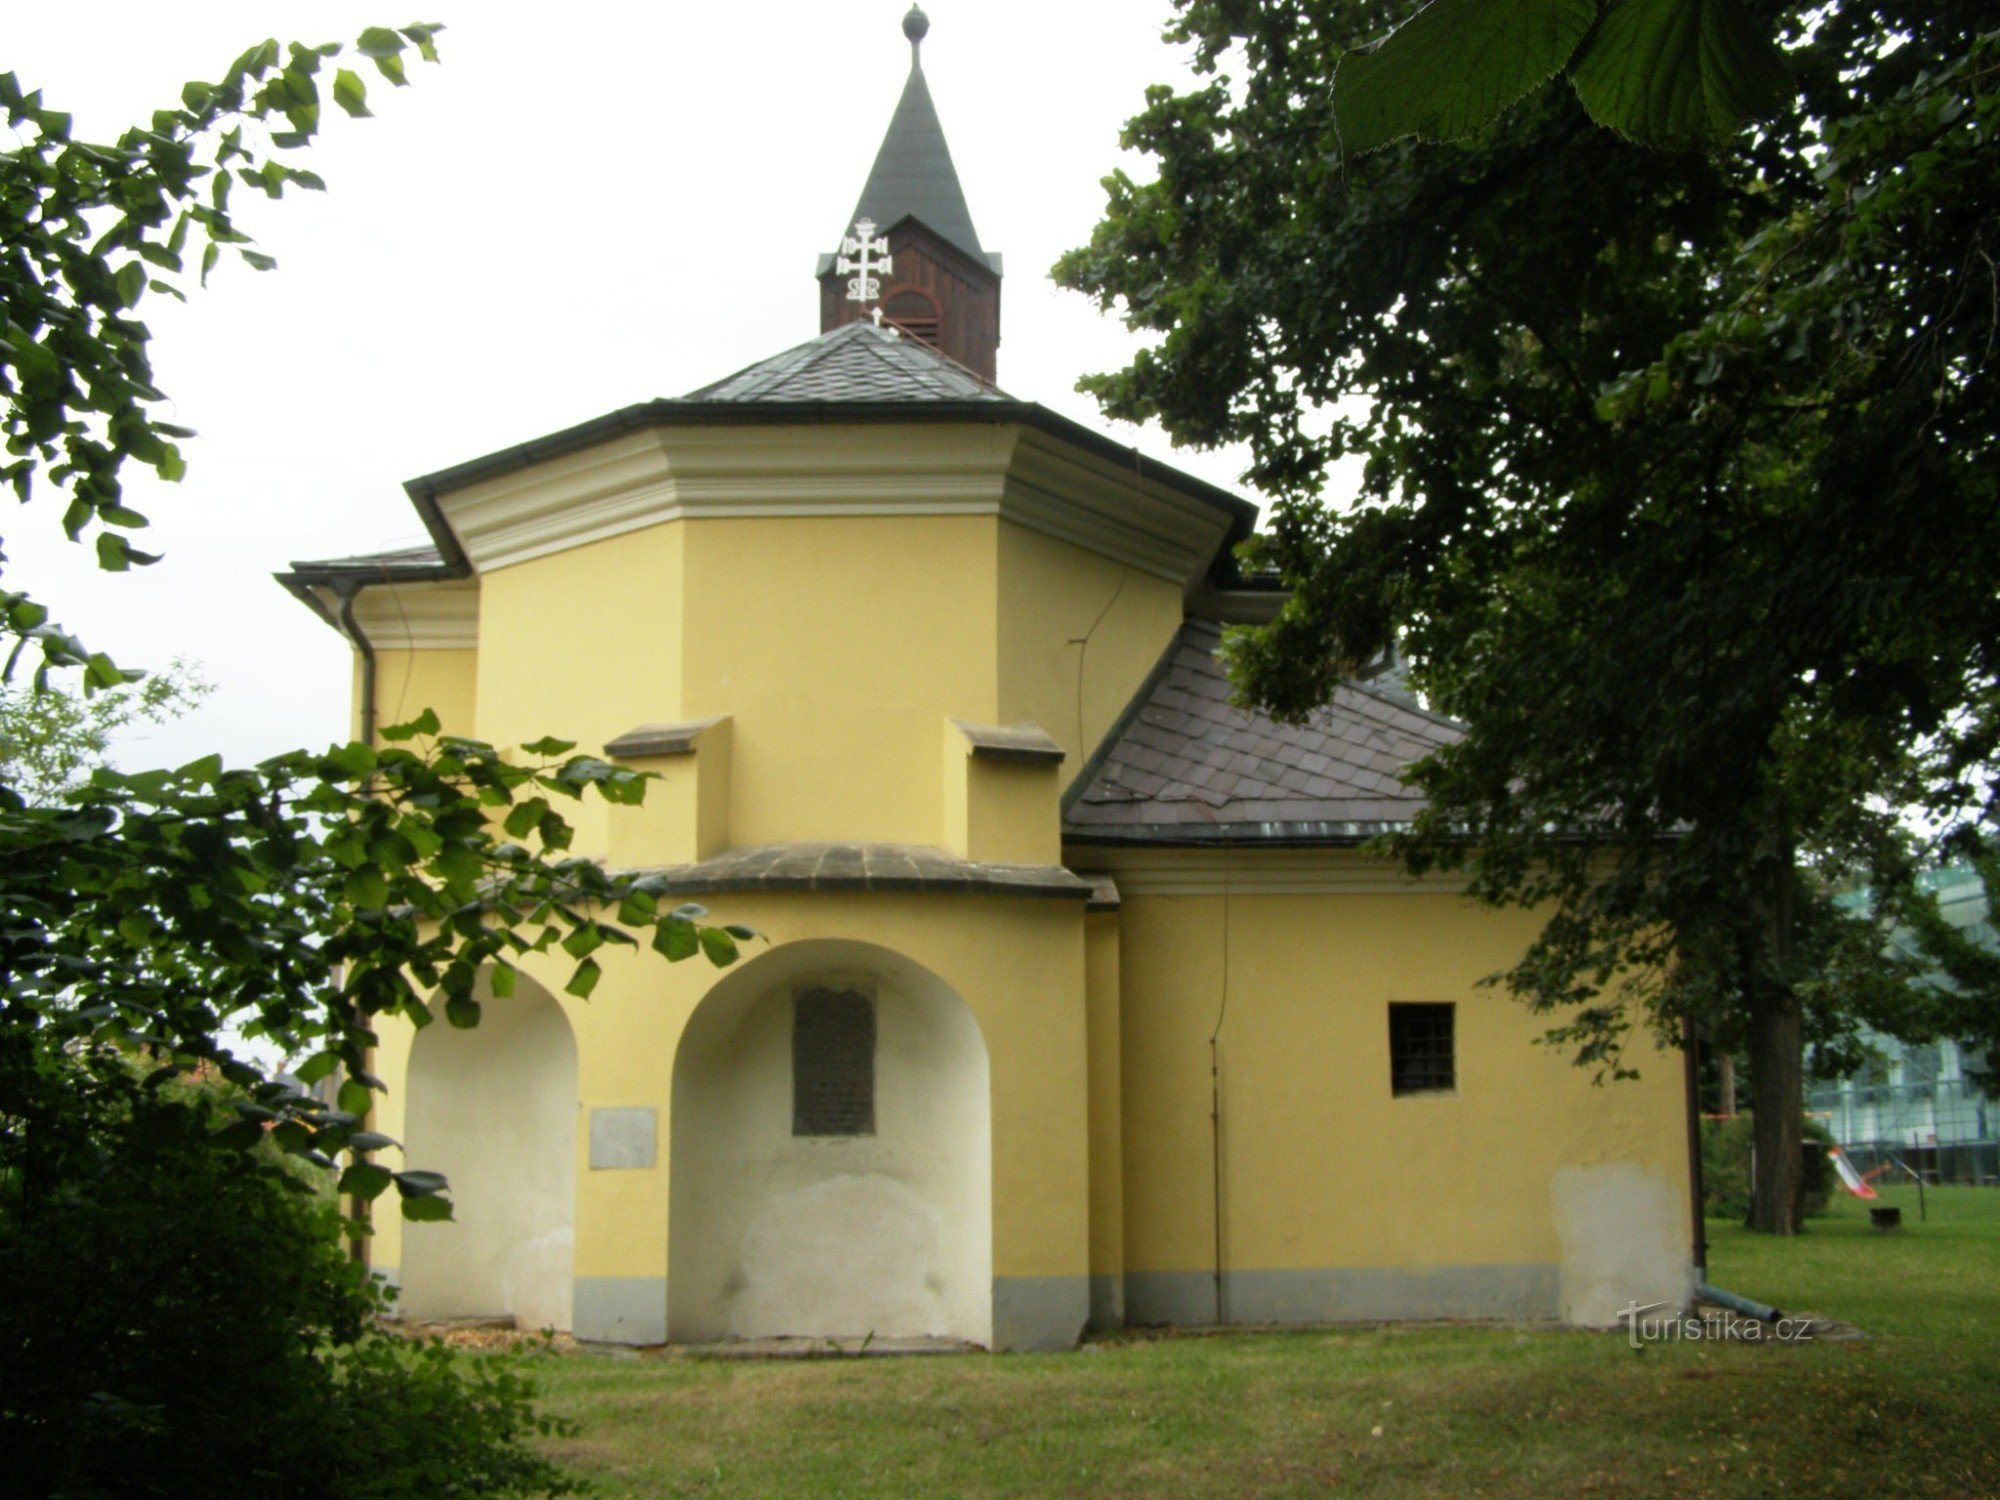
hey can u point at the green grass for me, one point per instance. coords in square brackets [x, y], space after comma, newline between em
[1914, 1409]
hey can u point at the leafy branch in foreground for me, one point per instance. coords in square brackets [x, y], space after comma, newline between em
[90, 229]
[300, 902]
[1667, 72]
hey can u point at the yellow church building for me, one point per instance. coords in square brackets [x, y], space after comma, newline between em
[1082, 1002]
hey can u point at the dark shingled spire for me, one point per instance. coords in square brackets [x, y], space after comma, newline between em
[913, 174]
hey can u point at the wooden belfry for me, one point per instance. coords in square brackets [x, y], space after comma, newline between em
[940, 286]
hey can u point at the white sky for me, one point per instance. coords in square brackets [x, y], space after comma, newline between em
[584, 206]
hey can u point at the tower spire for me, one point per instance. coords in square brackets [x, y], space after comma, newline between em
[942, 286]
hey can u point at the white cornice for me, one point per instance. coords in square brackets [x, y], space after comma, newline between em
[664, 474]
[1258, 872]
[441, 615]
[1080, 497]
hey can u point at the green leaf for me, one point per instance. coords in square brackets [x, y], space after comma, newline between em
[365, 888]
[675, 939]
[424, 723]
[550, 747]
[1453, 67]
[365, 1179]
[355, 1097]
[427, 1210]
[350, 93]
[1680, 72]
[719, 946]
[238, 1137]
[584, 980]
[420, 1184]
[502, 980]
[131, 281]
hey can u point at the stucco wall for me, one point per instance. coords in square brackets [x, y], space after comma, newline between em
[774, 1234]
[1527, 1190]
[1053, 595]
[838, 646]
[495, 1109]
[408, 682]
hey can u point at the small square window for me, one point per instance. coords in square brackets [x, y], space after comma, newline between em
[833, 1062]
[1420, 1049]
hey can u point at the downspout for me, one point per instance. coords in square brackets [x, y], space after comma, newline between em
[1703, 1292]
[351, 628]
[1697, 1189]
[357, 1205]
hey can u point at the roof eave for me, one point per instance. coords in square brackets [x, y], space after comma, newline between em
[427, 490]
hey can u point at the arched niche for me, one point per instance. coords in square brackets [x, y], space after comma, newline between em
[778, 1233]
[494, 1108]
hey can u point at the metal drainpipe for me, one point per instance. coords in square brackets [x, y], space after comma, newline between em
[351, 628]
[357, 1205]
[1690, 1045]
[1703, 1292]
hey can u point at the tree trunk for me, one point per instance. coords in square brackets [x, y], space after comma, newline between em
[1725, 1080]
[1777, 1075]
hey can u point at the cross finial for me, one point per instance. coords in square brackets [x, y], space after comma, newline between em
[863, 258]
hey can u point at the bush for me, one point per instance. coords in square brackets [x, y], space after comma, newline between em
[1725, 1167]
[181, 1320]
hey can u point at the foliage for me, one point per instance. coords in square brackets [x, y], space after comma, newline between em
[302, 900]
[181, 1320]
[91, 228]
[1726, 1152]
[1668, 72]
[50, 738]
[1677, 471]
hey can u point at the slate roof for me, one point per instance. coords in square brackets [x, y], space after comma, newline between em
[819, 866]
[913, 176]
[1185, 767]
[855, 362]
[421, 561]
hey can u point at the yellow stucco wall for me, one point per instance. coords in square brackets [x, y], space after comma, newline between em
[1107, 1167]
[408, 682]
[1050, 594]
[1017, 964]
[838, 645]
[1321, 1166]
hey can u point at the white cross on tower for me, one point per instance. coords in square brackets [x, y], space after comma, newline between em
[864, 258]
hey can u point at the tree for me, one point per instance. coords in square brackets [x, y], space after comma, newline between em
[1678, 480]
[50, 739]
[146, 917]
[1668, 72]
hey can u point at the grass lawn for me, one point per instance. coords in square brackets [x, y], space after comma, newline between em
[1914, 1409]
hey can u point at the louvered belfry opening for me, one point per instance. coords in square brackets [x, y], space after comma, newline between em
[914, 313]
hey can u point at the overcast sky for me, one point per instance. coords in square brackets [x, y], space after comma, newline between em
[584, 206]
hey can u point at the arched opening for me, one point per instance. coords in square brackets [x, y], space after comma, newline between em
[494, 1109]
[832, 1154]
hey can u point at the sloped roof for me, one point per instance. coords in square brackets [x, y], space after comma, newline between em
[1185, 766]
[855, 362]
[913, 176]
[420, 561]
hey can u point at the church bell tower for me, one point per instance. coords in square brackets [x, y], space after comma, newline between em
[909, 256]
